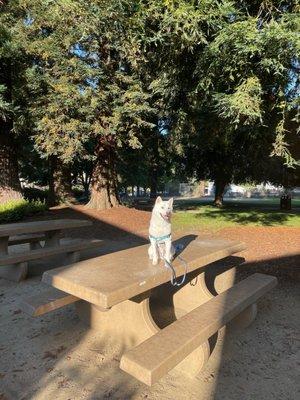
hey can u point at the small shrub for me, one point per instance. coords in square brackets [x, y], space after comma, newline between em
[16, 210]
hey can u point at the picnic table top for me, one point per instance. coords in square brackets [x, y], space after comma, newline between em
[41, 226]
[112, 278]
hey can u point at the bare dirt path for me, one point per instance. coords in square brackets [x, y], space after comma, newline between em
[54, 357]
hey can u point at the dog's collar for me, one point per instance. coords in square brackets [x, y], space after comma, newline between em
[160, 238]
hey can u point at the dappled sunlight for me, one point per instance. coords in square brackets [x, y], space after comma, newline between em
[216, 218]
[256, 217]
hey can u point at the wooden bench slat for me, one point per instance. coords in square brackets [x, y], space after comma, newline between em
[46, 301]
[76, 245]
[153, 358]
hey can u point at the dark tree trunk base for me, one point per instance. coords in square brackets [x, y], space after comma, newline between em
[104, 194]
[102, 200]
[10, 187]
[219, 192]
[60, 183]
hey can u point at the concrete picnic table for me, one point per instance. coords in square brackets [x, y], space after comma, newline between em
[51, 228]
[127, 299]
[13, 265]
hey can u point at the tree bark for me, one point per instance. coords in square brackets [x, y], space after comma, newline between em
[10, 187]
[60, 182]
[220, 185]
[104, 192]
[153, 181]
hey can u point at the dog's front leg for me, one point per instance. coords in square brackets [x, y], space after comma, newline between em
[168, 253]
[153, 252]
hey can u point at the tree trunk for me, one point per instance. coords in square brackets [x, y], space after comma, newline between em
[220, 185]
[60, 182]
[104, 192]
[10, 187]
[153, 181]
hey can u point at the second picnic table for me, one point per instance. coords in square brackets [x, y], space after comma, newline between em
[14, 266]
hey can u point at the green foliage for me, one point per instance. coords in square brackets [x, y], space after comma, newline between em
[242, 105]
[229, 77]
[93, 81]
[83, 87]
[13, 211]
[4, 105]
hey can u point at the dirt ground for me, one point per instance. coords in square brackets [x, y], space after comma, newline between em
[56, 357]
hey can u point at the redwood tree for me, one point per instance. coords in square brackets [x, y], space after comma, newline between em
[88, 99]
[11, 81]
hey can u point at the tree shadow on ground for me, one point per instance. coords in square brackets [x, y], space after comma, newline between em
[249, 216]
[268, 344]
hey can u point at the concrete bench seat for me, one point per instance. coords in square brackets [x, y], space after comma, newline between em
[26, 238]
[14, 266]
[75, 245]
[46, 301]
[153, 358]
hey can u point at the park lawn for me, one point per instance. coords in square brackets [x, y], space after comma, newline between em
[233, 214]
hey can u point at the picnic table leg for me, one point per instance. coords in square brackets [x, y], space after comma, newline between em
[53, 238]
[123, 326]
[72, 257]
[14, 272]
[131, 322]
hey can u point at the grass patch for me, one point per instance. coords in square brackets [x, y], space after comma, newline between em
[262, 213]
[16, 210]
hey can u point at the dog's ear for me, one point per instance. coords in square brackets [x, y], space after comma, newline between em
[171, 202]
[158, 200]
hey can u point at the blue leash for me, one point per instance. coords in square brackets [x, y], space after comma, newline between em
[169, 265]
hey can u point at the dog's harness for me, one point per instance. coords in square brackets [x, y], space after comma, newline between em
[160, 240]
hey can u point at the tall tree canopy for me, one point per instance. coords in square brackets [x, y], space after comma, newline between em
[209, 86]
[228, 73]
[85, 89]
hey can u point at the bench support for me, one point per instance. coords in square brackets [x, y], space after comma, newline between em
[14, 272]
[72, 257]
[124, 325]
[53, 238]
[35, 245]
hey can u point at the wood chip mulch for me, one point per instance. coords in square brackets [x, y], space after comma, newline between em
[269, 249]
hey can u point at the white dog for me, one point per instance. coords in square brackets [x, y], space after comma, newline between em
[160, 231]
